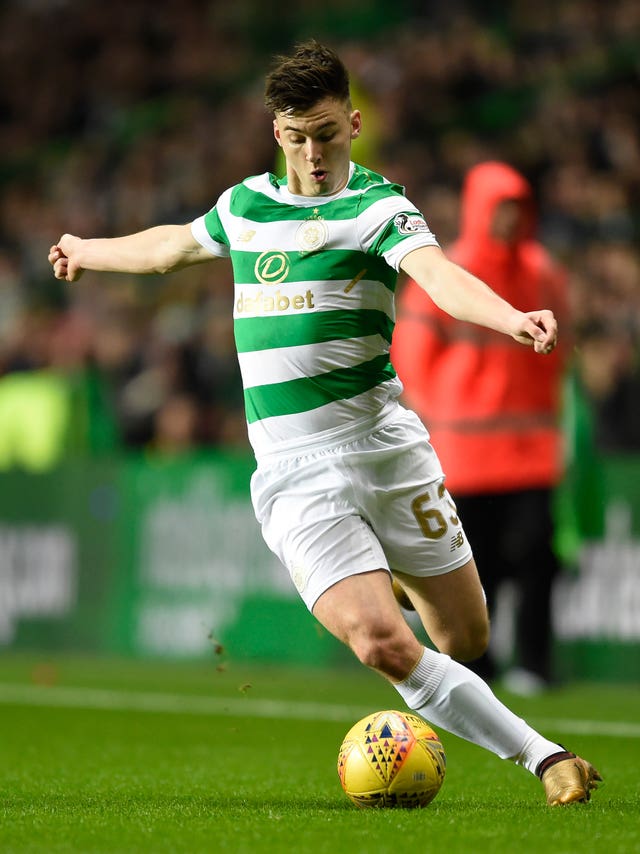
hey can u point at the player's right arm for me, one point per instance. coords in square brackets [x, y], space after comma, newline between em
[161, 249]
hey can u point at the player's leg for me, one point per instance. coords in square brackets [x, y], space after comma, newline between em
[479, 514]
[362, 612]
[452, 609]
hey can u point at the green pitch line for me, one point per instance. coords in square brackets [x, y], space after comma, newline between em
[140, 701]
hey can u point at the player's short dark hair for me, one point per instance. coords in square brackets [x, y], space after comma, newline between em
[297, 82]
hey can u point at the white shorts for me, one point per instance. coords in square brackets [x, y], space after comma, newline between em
[376, 503]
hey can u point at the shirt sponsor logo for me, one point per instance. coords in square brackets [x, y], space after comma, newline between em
[410, 223]
[272, 267]
[265, 303]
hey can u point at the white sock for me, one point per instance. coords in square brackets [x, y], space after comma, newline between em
[452, 697]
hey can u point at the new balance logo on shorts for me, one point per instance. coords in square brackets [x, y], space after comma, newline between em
[457, 541]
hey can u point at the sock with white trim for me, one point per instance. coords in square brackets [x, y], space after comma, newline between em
[453, 698]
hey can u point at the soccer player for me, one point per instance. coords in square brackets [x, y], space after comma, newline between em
[347, 487]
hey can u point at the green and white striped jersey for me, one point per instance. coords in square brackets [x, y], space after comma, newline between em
[314, 303]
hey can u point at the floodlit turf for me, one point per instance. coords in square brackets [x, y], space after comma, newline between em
[104, 756]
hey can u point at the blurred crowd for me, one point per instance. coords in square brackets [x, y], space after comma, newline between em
[116, 118]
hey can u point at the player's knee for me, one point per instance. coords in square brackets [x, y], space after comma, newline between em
[387, 651]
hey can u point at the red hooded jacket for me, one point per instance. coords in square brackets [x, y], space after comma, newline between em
[491, 405]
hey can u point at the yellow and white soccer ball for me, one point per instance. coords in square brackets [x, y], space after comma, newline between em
[391, 759]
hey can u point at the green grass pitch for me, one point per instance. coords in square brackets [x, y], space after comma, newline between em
[121, 756]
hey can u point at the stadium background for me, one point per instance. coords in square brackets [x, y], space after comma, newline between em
[125, 525]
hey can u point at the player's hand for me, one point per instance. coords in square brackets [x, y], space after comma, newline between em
[538, 329]
[63, 257]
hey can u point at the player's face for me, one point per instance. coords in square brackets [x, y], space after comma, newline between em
[317, 146]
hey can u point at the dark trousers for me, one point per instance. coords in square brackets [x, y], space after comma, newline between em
[511, 535]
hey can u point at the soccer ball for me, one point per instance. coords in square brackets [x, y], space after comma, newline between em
[391, 759]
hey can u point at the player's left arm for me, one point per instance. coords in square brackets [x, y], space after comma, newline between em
[466, 297]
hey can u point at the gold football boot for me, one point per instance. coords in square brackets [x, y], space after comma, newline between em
[567, 779]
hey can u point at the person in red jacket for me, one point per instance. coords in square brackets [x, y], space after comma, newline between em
[493, 409]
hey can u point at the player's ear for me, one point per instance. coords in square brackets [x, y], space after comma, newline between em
[356, 124]
[276, 132]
